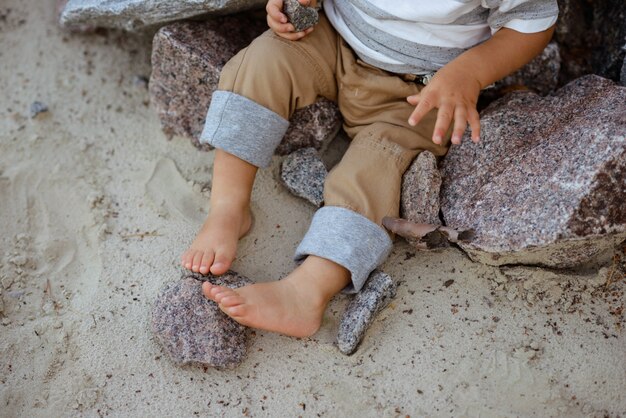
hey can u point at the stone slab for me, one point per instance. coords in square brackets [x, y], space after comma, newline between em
[135, 15]
[547, 183]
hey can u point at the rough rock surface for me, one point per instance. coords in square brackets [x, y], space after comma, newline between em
[187, 59]
[547, 183]
[420, 190]
[375, 295]
[301, 17]
[192, 329]
[303, 172]
[138, 14]
[312, 126]
[591, 36]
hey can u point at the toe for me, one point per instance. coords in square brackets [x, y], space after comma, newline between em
[206, 289]
[230, 301]
[223, 259]
[195, 264]
[187, 258]
[207, 260]
[236, 311]
[215, 293]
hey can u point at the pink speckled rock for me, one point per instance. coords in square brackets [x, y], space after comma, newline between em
[547, 183]
[187, 59]
[420, 190]
[192, 329]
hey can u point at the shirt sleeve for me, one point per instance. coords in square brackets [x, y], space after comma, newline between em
[527, 16]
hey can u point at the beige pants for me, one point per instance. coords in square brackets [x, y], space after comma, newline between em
[284, 75]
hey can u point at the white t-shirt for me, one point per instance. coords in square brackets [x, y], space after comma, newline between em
[421, 36]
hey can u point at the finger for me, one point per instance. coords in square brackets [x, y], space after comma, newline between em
[444, 117]
[423, 107]
[292, 36]
[460, 124]
[414, 99]
[280, 28]
[474, 122]
[274, 10]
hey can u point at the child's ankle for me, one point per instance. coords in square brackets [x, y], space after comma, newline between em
[229, 203]
[321, 278]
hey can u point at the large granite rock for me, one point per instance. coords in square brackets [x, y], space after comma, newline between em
[187, 59]
[192, 329]
[547, 183]
[591, 37]
[138, 14]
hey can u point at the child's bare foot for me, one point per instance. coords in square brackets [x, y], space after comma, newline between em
[293, 306]
[215, 246]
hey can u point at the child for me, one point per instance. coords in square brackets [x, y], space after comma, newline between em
[373, 58]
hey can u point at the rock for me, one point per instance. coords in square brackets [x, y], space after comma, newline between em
[591, 37]
[192, 329]
[420, 190]
[187, 59]
[375, 295]
[312, 126]
[547, 183]
[36, 108]
[134, 15]
[301, 17]
[622, 77]
[303, 173]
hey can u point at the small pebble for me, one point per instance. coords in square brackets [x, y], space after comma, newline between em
[36, 108]
[301, 17]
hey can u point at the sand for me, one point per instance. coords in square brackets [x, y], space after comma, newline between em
[96, 206]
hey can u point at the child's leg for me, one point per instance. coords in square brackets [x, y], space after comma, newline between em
[229, 216]
[258, 91]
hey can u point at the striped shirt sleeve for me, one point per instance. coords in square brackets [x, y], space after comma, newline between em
[526, 16]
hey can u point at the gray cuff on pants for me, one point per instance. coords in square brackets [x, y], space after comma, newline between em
[243, 128]
[347, 238]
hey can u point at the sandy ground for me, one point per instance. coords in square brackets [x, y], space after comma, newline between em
[97, 205]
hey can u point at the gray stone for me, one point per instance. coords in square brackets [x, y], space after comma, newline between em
[622, 77]
[301, 17]
[547, 183]
[420, 190]
[192, 329]
[36, 108]
[139, 14]
[187, 59]
[312, 126]
[303, 173]
[376, 294]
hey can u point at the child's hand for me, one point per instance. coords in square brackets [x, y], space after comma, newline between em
[455, 94]
[277, 20]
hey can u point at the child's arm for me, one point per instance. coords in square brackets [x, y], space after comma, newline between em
[277, 20]
[455, 88]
